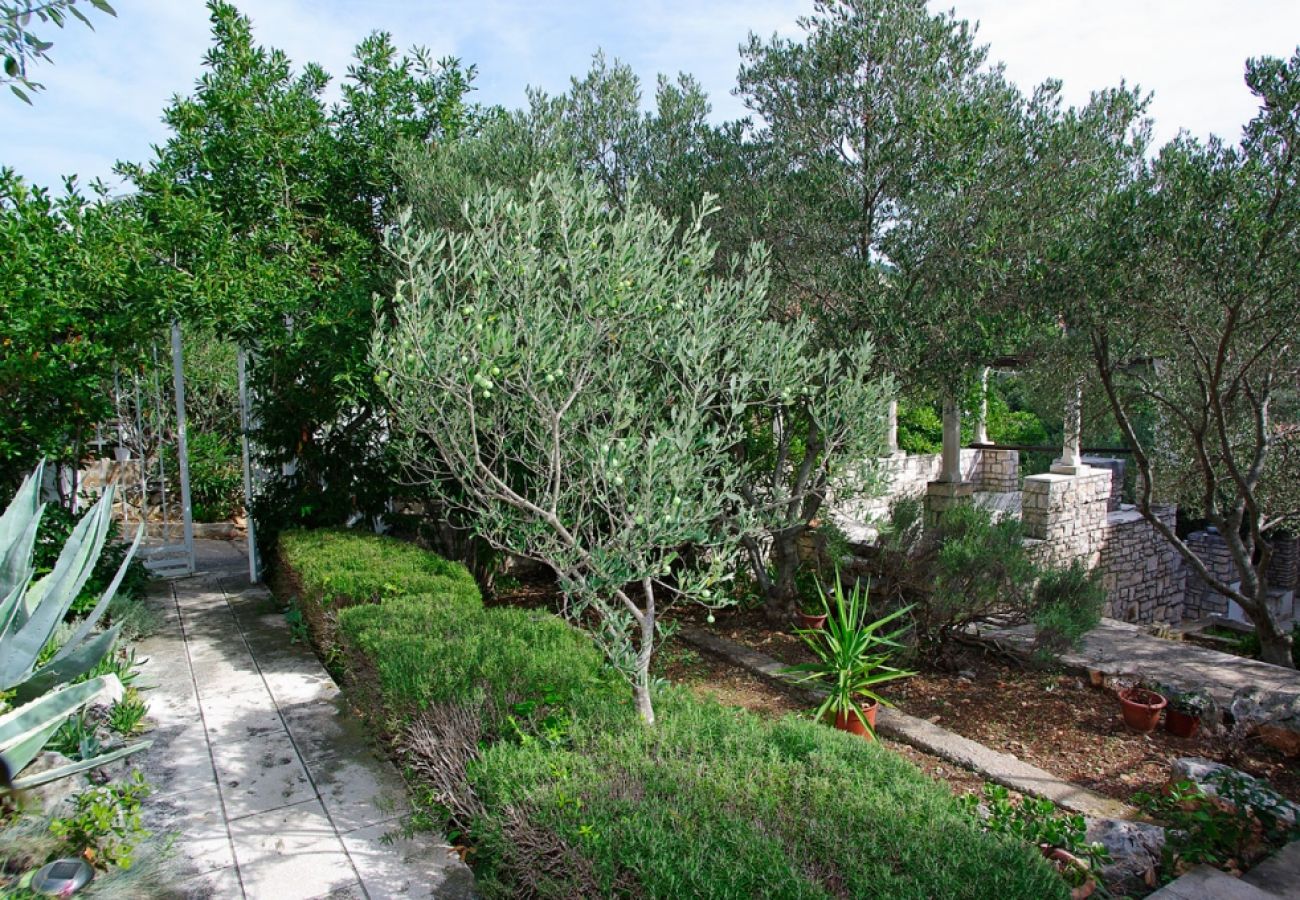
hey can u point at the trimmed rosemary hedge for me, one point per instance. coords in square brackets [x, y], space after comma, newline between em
[562, 792]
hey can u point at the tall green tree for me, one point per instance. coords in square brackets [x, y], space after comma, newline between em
[888, 162]
[271, 205]
[580, 377]
[828, 414]
[1185, 306]
[80, 303]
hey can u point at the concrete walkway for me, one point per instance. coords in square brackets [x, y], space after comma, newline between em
[259, 768]
[1118, 649]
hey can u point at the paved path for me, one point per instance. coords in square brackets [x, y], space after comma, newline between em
[1119, 649]
[258, 766]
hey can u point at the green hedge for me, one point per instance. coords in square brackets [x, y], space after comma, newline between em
[710, 802]
[339, 567]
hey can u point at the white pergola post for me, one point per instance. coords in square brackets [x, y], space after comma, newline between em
[182, 443]
[951, 440]
[891, 429]
[982, 418]
[1071, 461]
[245, 424]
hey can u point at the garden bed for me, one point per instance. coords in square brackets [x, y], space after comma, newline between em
[561, 792]
[1057, 722]
[707, 676]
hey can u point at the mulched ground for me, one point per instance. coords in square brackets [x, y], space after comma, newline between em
[1057, 722]
[709, 676]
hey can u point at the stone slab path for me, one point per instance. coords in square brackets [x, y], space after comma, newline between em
[259, 768]
[1119, 649]
[1002, 768]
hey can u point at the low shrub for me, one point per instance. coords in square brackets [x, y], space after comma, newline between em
[715, 802]
[343, 567]
[430, 649]
[528, 746]
[972, 568]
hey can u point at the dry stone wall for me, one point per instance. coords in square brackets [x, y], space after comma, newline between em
[907, 475]
[1068, 518]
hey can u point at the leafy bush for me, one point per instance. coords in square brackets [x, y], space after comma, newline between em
[216, 477]
[1037, 822]
[972, 567]
[1066, 605]
[1233, 829]
[106, 823]
[534, 754]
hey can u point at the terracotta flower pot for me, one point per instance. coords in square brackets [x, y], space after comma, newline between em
[1180, 724]
[851, 723]
[810, 623]
[1141, 709]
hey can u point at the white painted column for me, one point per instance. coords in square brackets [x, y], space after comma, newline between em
[1071, 460]
[891, 428]
[182, 443]
[951, 440]
[982, 419]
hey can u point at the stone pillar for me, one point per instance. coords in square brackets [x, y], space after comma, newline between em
[982, 417]
[1071, 461]
[891, 429]
[950, 489]
[951, 472]
[1067, 512]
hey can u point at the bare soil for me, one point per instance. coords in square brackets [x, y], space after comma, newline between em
[1060, 723]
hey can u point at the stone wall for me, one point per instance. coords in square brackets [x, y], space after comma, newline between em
[1202, 600]
[1144, 575]
[1116, 468]
[906, 475]
[1068, 518]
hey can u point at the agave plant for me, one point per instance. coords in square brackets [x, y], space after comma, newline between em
[852, 654]
[30, 612]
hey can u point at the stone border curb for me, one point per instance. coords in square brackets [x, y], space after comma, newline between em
[1002, 768]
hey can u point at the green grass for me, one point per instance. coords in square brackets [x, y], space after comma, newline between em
[577, 798]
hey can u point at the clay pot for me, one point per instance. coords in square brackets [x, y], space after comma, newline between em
[1180, 724]
[810, 623]
[1141, 708]
[852, 724]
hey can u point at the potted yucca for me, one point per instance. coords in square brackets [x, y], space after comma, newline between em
[852, 659]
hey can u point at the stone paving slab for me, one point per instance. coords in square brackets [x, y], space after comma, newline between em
[1119, 649]
[1208, 883]
[1002, 768]
[1279, 874]
[261, 771]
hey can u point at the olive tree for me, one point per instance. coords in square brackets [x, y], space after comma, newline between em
[826, 415]
[577, 378]
[1187, 307]
[889, 158]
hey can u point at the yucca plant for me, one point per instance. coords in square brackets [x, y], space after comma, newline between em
[41, 689]
[852, 654]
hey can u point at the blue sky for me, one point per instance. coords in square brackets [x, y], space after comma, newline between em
[107, 88]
